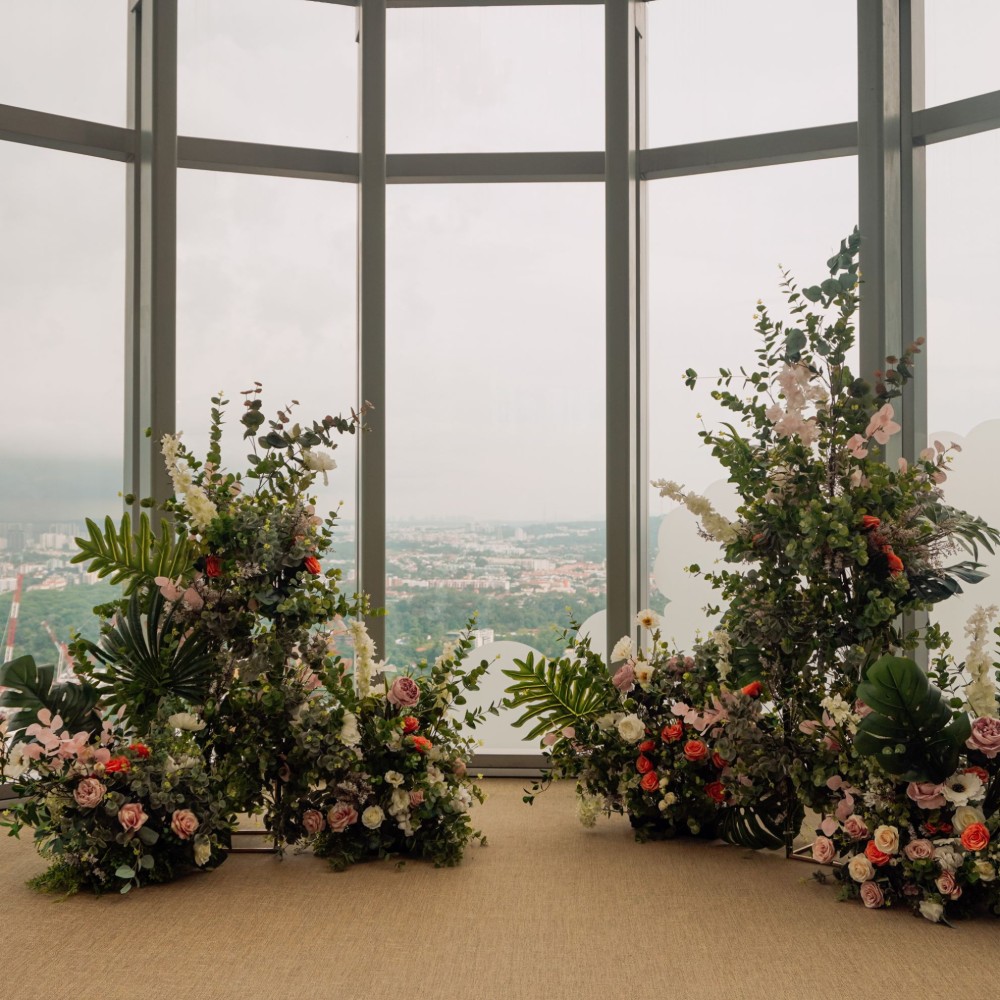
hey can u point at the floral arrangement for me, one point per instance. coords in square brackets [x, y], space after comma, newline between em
[113, 812]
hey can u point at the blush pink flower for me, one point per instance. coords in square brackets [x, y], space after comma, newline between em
[919, 850]
[823, 850]
[184, 823]
[132, 817]
[871, 895]
[855, 828]
[926, 794]
[882, 426]
[624, 678]
[341, 816]
[312, 821]
[405, 692]
[985, 737]
[947, 886]
[416, 798]
[89, 793]
[856, 446]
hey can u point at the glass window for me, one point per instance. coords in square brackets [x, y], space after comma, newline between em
[65, 57]
[266, 292]
[717, 69]
[495, 419]
[718, 243]
[495, 79]
[961, 49]
[62, 317]
[275, 71]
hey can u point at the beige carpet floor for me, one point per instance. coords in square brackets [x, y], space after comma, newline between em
[547, 911]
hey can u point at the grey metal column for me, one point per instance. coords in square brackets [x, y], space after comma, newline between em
[371, 310]
[626, 483]
[151, 282]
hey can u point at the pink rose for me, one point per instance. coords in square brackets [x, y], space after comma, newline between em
[131, 817]
[823, 850]
[459, 768]
[871, 895]
[926, 794]
[184, 823]
[624, 678]
[947, 886]
[855, 827]
[89, 793]
[919, 850]
[341, 816]
[404, 692]
[985, 737]
[312, 821]
[416, 798]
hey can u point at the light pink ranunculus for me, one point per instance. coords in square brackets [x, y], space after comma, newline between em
[416, 797]
[624, 678]
[341, 816]
[312, 821]
[405, 692]
[855, 827]
[926, 794]
[184, 823]
[985, 737]
[132, 817]
[89, 793]
[823, 850]
[871, 895]
[919, 850]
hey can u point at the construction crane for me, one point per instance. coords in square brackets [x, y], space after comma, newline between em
[64, 665]
[15, 607]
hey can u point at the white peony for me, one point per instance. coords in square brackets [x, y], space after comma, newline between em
[931, 911]
[860, 868]
[350, 735]
[187, 721]
[319, 461]
[623, 649]
[372, 817]
[949, 855]
[631, 728]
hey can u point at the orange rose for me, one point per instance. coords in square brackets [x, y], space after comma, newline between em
[975, 837]
[695, 750]
[646, 745]
[643, 765]
[716, 790]
[753, 689]
[312, 565]
[673, 732]
[421, 744]
[895, 563]
[650, 781]
[410, 724]
[875, 856]
[719, 762]
[869, 521]
[139, 749]
[118, 764]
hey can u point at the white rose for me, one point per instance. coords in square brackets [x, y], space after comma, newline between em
[631, 728]
[372, 817]
[202, 851]
[886, 839]
[605, 722]
[394, 778]
[931, 911]
[948, 856]
[350, 736]
[966, 816]
[187, 721]
[318, 461]
[623, 649]
[985, 871]
[860, 868]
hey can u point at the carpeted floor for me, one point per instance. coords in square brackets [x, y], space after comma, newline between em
[548, 910]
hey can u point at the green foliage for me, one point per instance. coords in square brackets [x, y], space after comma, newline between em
[762, 825]
[30, 688]
[129, 558]
[558, 693]
[911, 730]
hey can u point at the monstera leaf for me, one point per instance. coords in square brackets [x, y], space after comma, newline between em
[557, 693]
[30, 688]
[764, 825]
[911, 731]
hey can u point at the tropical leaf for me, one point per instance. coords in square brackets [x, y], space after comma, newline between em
[30, 688]
[555, 693]
[911, 731]
[763, 825]
[129, 558]
[142, 658]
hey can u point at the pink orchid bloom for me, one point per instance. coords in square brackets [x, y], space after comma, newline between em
[882, 426]
[856, 446]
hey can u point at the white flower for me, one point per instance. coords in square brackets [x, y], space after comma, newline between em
[202, 851]
[838, 709]
[350, 735]
[669, 799]
[948, 855]
[644, 673]
[623, 649]
[724, 644]
[860, 868]
[932, 911]
[981, 691]
[588, 808]
[985, 871]
[435, 776]
[647, 619]
[394, 778]
[886, 839]
[605, 722]
[966, 816]
[318, 461]
[18, 762]
[187, 721]
[203, 512]
[372, 817]
[631, 728]
[961, 789]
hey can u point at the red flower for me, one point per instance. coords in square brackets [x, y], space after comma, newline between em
[718, 761]
[410, 724]
[716, 790]
[116, 764]
[945, 828]
[895, 563]
[975, 837]
[980, 772]
[753, 689]
[930, 828]
[213, 566]
[650, 781]
[869, 521]
[695, 750]
[312, 565]
[643, 765]
[139, 749]
[673, 732]
[421, 744]
[875, 856]
[646, 745]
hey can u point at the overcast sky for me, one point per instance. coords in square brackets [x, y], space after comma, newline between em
[495, 297]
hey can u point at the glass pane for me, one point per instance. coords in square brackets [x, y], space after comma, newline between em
[717, 69]
[495, 420]
[963, 204]
[62, 313]
[266, 292]
[717, 244]
[495, 79]
[65, 57]
[961, 49]
[276, 71]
